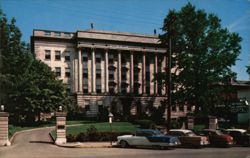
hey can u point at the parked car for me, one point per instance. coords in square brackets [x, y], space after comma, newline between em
[189, 138]
[217, 138]
[241, 137]
[147, 137]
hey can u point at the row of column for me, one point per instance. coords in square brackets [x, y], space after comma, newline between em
[79, 78]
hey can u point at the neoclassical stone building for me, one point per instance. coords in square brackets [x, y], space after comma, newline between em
[103, 68]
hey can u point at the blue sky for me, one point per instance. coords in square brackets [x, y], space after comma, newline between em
[136, 16]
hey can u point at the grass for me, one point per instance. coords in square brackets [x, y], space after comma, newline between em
[100, 126]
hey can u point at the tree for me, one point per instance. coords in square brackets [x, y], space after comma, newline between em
[203, 55]
[28, 86]
[248, 69]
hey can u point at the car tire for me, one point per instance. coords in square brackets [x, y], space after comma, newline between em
[124, 144]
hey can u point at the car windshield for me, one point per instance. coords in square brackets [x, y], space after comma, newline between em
[190, 134]
[218, 132]
[156, 132]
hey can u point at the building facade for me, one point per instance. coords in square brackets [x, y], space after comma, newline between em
[103, 68]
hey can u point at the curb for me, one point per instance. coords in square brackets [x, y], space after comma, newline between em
[82, 145]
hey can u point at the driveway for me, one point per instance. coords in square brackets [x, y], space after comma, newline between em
[37, 144]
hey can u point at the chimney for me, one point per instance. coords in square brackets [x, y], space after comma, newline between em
[92, 25]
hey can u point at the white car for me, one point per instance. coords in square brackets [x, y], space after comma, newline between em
[147, 137]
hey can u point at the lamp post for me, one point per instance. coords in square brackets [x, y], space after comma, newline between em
[2, 108]
[60, 108]
[110, 124]
[169, 56]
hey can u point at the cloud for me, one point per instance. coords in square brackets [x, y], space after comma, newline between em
[239, 23]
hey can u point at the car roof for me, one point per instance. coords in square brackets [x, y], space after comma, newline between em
[180, 130]
[211, 130]
[147, 130]
[238, 130]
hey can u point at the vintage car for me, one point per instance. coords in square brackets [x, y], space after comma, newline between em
[147, 137]
[188, 138]
[241, 137]
[217, 138]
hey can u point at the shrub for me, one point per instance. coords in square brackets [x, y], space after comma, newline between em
[175, 124]
[71, 138]
[97, 136]
[146, 124]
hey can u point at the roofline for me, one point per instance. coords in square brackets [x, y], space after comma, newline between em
[118, 33]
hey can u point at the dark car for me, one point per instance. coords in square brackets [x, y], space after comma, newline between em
[241, 137]
[217, 138]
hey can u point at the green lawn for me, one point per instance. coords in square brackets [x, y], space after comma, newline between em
[101, 127]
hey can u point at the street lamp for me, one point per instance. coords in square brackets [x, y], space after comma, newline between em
[2, 107]
[60, 108]
[110, 124]
[169, 56]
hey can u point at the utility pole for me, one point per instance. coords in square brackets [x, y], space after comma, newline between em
[168, 77]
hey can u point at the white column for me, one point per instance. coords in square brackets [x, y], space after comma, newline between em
[156, 71]
[151, 76]
[89, 73]
[131, 72]
[164, 66]
[79, 70]
[106, 72]
[93, 72]
[74, 81]
[119, 72]
[103, 71]
[143, 73]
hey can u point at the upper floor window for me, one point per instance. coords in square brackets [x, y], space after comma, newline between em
[58, 71]
[57, 34]
[47, 55]
[67, 56]
[47, 33]
[85, 56]
[57, 55]
[67, 72]
[67, 35]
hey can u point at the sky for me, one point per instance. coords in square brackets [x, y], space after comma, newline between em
[135, 16]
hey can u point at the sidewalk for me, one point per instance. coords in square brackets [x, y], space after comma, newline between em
[88, 145]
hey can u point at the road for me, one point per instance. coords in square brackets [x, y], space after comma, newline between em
[37, 144]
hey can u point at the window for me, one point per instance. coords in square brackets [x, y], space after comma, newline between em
[111, 74]
[57, 55]
[98, 89]
[85, 86]
[67, 72]
[47, 55]
[67, 56]
[58, 71]
[57, 34]
[85, 73]
[84, 56]
[181, 107]
[98, 73]
[87, 106]
[68, 89]
[47, 33]
[67, 35]
[111, 90]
